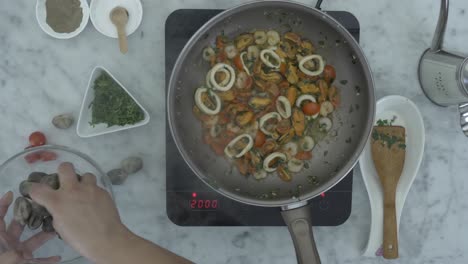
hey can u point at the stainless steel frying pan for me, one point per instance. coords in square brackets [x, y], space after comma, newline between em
[333, 157]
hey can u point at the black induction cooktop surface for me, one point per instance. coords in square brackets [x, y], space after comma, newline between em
[189, 202]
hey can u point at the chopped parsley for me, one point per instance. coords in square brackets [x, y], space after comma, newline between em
[112, 105]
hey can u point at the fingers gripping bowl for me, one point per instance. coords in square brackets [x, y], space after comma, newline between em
[17, 168]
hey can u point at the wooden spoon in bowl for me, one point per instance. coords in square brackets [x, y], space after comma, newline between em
[119, 17]
[388, 153]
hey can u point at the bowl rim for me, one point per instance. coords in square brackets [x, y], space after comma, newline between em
[66, 149]
[87, 158]
[93, 13]
[84, 23]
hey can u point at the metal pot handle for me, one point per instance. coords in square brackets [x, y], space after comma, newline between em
[299, 221]
[441, 25]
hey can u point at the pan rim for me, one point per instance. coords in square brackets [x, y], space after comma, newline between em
[352, 160]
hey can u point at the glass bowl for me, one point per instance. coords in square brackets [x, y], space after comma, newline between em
[17, 168]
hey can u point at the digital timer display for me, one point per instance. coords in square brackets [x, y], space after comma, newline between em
[203, 204]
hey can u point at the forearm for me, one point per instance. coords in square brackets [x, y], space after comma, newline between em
[130, 248]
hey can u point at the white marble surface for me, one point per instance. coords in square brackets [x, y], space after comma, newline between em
[40, 77]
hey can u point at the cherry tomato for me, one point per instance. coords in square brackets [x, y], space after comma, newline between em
[304, 155]
[48, 156]
[329, 74]
[260, 139]
[311, 108]
[238, 63]
[37, 139]
[33, 157]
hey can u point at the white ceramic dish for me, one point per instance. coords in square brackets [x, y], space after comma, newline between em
[100, 15]
[41, 16]
[407, 115]
[84, 129]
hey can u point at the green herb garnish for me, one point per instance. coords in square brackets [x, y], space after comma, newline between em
[112, 105]
[388, 140]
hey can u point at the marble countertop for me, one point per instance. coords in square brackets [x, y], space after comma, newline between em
[41, 77]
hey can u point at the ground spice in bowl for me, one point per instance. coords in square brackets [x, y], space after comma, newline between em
[64, 16]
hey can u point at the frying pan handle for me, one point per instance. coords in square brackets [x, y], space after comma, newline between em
[299, 221]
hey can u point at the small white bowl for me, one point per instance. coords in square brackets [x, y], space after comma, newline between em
[100, 15]
[407, 115]
[84, 129]
[41, 16]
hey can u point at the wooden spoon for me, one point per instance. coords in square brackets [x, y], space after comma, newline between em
[119, 17]
[388, 153]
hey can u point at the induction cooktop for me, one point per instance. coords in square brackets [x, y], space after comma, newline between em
[189, 202]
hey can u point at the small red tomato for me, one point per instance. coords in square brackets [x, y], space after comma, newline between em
[33, 157]
[311, 108]
[48, 156]
[37, 139]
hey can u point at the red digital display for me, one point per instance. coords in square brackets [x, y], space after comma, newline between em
[201, 204]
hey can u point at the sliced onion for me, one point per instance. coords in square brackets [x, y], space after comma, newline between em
[326, 108]
[267, 117]
[283, 106]
[307, 143]
[325, 124]
[243, 63]
[234, 141]
[295, 165]
[306, 97]
[232, 77]
[321, 65]
[270, 52]
[260, 175]
[202, 106]
[271, 157]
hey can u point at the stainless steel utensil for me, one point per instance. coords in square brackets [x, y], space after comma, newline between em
[333, 158]
[444, 76]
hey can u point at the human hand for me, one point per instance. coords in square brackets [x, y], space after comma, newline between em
[12, 250]
[84, 214]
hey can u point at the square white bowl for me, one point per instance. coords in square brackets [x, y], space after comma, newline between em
[84, 129]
